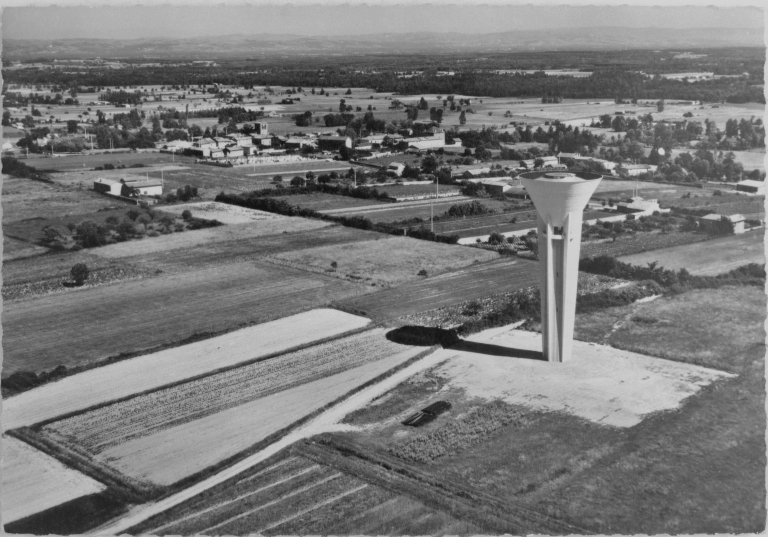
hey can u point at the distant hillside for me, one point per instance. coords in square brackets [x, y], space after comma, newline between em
[242, 46]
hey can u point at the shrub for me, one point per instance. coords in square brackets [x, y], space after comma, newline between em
[153, 233]
[497, 238]
[186, 214]
[133, 214]
[79, 273]
[422, 272]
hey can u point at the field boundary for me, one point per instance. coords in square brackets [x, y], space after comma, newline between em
[446, 496]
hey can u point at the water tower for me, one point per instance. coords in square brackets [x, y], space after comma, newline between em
[560, 198]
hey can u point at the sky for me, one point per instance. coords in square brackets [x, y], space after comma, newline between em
[147, 21]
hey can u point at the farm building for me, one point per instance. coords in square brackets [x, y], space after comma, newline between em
[638, 205]
[297, 142]
[433, 141]
[751, 187]
[333, 143]
[374, 139]
[144, 187]
[635, 169]
[716, 220]
[495, 186]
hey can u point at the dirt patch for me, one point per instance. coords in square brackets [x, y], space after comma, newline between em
[601, 384]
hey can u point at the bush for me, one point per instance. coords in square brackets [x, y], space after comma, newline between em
[79, 273]
[186, 214]
[497, 238]
[422, 272]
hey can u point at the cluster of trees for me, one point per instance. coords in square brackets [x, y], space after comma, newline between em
[122, 97]
[16, 168]
[16, 99]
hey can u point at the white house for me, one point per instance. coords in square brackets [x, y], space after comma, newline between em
[396, 167]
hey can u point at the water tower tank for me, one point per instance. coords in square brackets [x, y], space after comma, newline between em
[560, 198]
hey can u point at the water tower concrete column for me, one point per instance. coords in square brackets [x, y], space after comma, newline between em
[560, 198]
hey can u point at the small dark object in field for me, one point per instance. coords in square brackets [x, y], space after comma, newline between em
[422, 272]
[644, 320]
[427, 414]
[423, 336]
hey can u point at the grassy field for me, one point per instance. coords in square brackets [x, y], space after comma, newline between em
[141, 314]
[476, 281]
[291, 494]
[708, 259]
[34, 482]
[695, 469]
[385, 261]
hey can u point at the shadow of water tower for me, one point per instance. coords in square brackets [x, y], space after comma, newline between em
[560, 198]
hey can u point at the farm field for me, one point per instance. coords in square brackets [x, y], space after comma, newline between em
[162, 310]
[385, 261]
[98, 386]
[24, 199]
[642, 242]
[16, 249]
[292, 494]
[223, 212]
[33, 481]
[270, 225]
[564, 466]
[400, 210]
[88, 161]
[476, 281]
[475, 227]
[183, 450]
[106, 427]
[715, 257]
[52, 265]
[319, 201]
[749, 207]
[217, 253]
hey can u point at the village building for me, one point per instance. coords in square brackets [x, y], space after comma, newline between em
[749, 186]
[633, 170]
[714, 220]
[333, 143]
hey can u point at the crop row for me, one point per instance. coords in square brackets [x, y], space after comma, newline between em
[109, 426]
